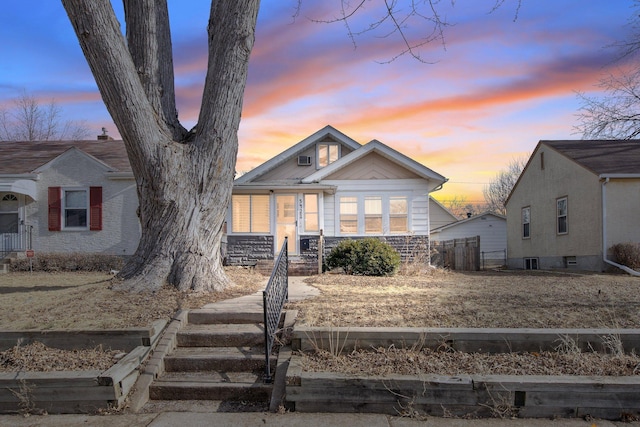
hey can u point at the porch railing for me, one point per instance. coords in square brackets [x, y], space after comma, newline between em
[273, 298]
[15, 242]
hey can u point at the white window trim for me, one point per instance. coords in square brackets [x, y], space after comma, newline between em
[318, 153]
[63, 208]
[251, 233]
[303, 213]
[566, 216]
[386, 196]
[522, 223]
[388, 207]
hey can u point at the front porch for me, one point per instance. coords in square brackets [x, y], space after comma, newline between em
[259, 251]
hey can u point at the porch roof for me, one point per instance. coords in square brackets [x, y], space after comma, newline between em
[271, 186]
[19, 186]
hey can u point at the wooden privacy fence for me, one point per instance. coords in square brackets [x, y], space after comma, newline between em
[458, 254]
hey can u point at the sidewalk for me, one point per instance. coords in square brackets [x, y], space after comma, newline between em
[294, 419]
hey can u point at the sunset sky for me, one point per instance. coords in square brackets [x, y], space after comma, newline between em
[502, 81]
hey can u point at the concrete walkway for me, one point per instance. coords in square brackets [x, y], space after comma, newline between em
[298, 290]
[293, 419]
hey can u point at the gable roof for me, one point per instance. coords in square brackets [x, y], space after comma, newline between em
[389, 153]
[601, 156]
[443, 208]
[71, 152]
[27, 156]
[470, 219]
[278, 160]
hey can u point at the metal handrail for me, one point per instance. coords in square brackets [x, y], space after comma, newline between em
[273, 298]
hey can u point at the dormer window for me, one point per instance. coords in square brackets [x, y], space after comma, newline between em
[327, 154]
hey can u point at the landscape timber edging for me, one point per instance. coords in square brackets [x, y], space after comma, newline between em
[485, 340]
[526, 396]
[125, 339]
[61, 392]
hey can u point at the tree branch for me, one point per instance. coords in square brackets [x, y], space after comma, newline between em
[104, 47]
[150, 47]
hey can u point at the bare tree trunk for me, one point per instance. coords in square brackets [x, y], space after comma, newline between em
[184, 179]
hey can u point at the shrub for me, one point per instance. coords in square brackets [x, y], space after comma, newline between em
[69, 262]
[627, 254]
[365, 257]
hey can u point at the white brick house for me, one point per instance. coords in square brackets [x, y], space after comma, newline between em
[66, 196]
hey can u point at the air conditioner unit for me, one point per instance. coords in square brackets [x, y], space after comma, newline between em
[304, 161]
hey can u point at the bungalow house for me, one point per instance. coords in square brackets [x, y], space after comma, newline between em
[572, 202]
[490, 227]
[67, 196]
[329, 185]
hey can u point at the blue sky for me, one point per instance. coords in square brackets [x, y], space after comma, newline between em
[497, 86]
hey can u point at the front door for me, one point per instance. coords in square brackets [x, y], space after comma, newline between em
[9, 222]
[286, 222]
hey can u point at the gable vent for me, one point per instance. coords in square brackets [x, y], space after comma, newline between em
[304, 161]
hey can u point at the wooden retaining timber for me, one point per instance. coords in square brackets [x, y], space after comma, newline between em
[525, 396]
[78, 391]
[485, 340]
[71, 339]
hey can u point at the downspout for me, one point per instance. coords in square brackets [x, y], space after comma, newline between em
[604, 232]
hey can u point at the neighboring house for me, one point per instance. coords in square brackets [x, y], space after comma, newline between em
[572, 202]
[330, 184]
[439, 216]
[492, 229]
[64, 196]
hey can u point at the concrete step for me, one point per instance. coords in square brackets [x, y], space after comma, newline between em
[238, 386]
[224, 315]
[234, 335]
[221, 359]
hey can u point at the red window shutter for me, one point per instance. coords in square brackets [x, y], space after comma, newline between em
[55, 205]
[95, 208]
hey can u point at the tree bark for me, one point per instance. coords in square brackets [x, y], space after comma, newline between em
[184, 179]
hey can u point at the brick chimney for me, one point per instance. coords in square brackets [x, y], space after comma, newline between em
[104, 136]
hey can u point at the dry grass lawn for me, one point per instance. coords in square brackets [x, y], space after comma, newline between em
[45, 301]
[475, 300]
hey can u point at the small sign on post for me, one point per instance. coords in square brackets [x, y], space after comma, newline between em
[30, 254]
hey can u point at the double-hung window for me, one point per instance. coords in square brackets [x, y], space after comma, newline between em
[526, 222]
[327, 154]
[398, 215]
[75, 204]
[311, 214]
[348, 215]
[561, 211]
[250, 213]
[373, 215]
[75, 208]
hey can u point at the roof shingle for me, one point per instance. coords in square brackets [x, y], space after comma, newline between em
[26, 156]
[601, 156]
